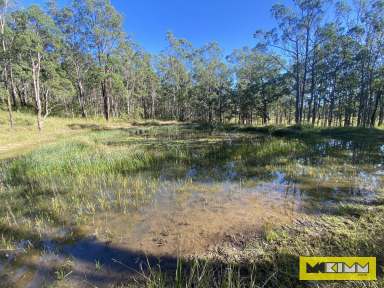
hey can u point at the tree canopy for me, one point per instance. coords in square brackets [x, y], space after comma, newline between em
[309, 69]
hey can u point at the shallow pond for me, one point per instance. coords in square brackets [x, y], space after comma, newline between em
[204, 189]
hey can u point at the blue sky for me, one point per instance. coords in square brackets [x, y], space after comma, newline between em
[231, 23]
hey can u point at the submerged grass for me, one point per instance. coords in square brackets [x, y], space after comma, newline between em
[66, 183]
[271, 259]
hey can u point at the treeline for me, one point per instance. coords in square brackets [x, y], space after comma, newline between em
[321, 65]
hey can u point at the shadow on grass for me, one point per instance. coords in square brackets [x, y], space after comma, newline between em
[134, 124]
[120, 266]
[123, 266]
[342, 133]
[92, 127]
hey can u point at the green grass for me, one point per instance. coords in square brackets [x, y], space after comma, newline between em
[305, 131]
[68, 182]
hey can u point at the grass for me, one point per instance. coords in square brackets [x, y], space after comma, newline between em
[66, 182]
[308, 132]
[25, 137]
[76, 170]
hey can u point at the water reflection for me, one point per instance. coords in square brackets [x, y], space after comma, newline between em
[332, 168]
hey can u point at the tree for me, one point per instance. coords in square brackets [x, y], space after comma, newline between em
[35, 41]
[77, 58]
[174, 68]
[294, 37]
[260, 82]
[5, 56]
[102, 26]
[211, 78]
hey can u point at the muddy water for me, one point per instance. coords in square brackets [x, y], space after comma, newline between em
[213, 187]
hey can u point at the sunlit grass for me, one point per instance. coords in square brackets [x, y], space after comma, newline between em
[67, 182]
[25, 137]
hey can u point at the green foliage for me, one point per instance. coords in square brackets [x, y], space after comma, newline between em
[305, 71]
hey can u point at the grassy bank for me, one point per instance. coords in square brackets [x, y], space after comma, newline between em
[305, 132]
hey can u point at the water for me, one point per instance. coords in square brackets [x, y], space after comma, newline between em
[209, 185]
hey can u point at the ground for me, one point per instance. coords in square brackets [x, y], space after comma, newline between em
[221, 206]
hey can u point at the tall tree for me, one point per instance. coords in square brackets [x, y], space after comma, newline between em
[102, 26]
[36, 39]
[5, 56]
[294, 37]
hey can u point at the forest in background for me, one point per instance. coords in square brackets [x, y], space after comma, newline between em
[321, 65]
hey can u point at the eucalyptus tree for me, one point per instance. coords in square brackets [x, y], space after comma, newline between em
[260, 83]
[35, 41]
[148, 88]
[77, 59]
[57, 89]
[6, 54]
[176, 82]
[369, 28]
[174, 68]
[294, 37]
[101, 26]
[75, 51]
[243, 62]
[129, 60]
[352, 56]
[332, 63]
[378, 104]
[211, 82]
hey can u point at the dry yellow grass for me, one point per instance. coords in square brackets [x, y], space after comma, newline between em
[24, 136]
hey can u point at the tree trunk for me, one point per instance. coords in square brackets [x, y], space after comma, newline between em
[10, 115]
[375, 108]
[381, 114]
[297, 84]
[314, 109]
[331, 108]
[361, 97]
[153, 97]
[46, 104]
[22, 96]
[9, 92]
[312, 100]
[81, 98]
[304, 80]
[13, 87]
[36, 66]
[265, 112]
[106, 102]
[290, 112]
[129, 96]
